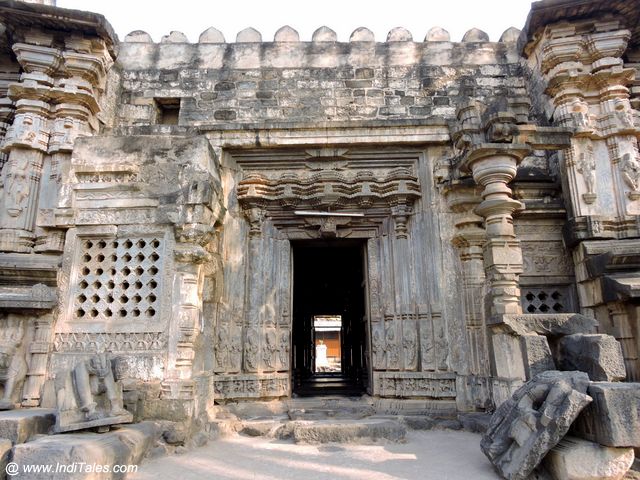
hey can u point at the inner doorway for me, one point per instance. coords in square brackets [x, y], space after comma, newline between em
[329, 319]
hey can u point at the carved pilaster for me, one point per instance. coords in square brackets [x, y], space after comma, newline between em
[26, 143]
[74, 109]
[469, 240]
[38, 354]
[193, 233]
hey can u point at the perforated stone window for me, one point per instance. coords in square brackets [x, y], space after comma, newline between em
[118, 279]
[546, 300]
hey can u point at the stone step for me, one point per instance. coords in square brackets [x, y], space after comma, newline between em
[70, 454]
[260, 428]
[23, 424]
[361, 431]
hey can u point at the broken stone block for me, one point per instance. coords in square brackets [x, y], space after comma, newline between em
[576, 459]
[613, 418]
[21, 425]
[348, 431]
[5, 453]
[537, 355]
[525, 427]
[78, 451]
[600, 356]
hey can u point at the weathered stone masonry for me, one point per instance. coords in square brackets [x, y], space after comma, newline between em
[151, 192]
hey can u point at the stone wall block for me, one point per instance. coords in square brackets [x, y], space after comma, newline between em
[537, 355]
[613, 418]
[600, 356]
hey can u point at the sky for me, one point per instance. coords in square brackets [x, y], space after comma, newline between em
[192, 17]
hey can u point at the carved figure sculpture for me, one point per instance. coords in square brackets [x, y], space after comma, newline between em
[251, 350]
[391, 348]
[587, 167]
[580, 114]
[269, 349]
[222, 347]
[13, 367]
[17, 186]
[283, 351]
[409, 347]
[623, 113]
[378, 347]
[630, 171]
[95, 377]
[525, 427]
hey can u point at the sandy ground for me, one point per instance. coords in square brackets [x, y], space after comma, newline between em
[437, 455]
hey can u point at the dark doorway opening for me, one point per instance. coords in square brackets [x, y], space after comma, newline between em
[329, 320]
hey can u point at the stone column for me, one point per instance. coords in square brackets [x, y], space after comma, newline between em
[493, 167]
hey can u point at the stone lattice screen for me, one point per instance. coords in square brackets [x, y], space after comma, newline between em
[552, 299]
[117, 279]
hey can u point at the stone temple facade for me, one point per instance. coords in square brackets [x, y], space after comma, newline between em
[189, 209]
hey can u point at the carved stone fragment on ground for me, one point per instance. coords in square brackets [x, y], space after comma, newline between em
[525, 427]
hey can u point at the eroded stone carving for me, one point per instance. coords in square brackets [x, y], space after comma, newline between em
[251, 350]
[525, 427]
[13, 367]
[88, 396]
[251, 386]
[630, 171]
[326, 188]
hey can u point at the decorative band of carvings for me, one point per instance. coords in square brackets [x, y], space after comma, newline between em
[109, 342]
[330, 187]
[251, 386]
[422, 385]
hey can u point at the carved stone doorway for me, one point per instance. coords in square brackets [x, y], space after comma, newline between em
[329, 290]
